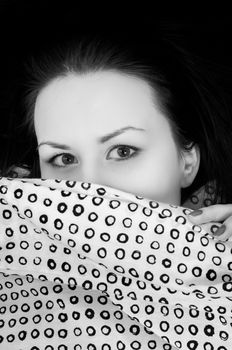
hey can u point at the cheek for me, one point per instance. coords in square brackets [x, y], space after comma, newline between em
[155, 176]
[48, 172]
[45, 171]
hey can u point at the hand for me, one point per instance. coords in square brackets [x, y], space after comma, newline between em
[215, 213]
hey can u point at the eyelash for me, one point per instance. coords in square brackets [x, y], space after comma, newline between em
[135, 149]
[51, 160]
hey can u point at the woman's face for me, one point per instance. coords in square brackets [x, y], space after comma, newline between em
[106, 128]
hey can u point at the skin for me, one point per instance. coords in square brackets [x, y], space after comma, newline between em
[73, 112]
[218, 213]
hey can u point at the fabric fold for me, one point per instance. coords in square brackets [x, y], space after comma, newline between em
[170, 281]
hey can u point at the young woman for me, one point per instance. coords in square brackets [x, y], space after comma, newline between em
[140, 117]
[140, 120]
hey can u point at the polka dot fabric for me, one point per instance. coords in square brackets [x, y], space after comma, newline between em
[84, 266]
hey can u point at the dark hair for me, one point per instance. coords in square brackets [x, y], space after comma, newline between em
[187, 94]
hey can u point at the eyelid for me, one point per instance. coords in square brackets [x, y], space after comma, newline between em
[51, 160]
[136, 149]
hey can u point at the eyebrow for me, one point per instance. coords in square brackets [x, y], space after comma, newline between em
[117, 132]
[101, 139]
[54, 145]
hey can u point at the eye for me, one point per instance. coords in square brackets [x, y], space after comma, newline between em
[63, 160]
[122, 152]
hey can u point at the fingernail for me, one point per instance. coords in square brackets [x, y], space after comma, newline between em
[196, 212]
[220, 231]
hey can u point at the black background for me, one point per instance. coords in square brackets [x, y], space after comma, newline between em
[28, 25]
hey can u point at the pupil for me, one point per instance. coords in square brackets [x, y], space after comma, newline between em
[123, 152]
[66, 159]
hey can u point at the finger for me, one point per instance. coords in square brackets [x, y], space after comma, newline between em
[213, 230]
[211, 227]
[224, 232]
[217, 212]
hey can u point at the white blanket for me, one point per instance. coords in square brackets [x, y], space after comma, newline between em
[83, 266]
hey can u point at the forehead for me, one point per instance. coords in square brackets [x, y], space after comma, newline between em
[95, 99]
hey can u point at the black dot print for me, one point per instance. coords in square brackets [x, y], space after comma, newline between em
[81, 196]
[43, 219]
[6, 214]
[47, 202]
[18, 193]
[32, 197]
[62, 207]
[58, 224]
[101, 264]
[110, 220]
[114, 204]
[78, 209]
[97, 201]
